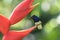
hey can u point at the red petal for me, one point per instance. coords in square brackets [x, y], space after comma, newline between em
[4, 24]
[20, 11]
[17, 35]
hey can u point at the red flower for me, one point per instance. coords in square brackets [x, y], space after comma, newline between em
[17, 35]
[4, 24]
[21, 11]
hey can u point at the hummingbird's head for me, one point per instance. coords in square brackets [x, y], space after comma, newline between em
[35, 18]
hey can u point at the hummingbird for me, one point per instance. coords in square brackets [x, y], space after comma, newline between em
[37, 21]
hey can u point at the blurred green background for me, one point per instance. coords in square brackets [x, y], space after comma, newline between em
[49, 13]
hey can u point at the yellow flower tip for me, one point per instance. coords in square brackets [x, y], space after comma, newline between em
[35, 5]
